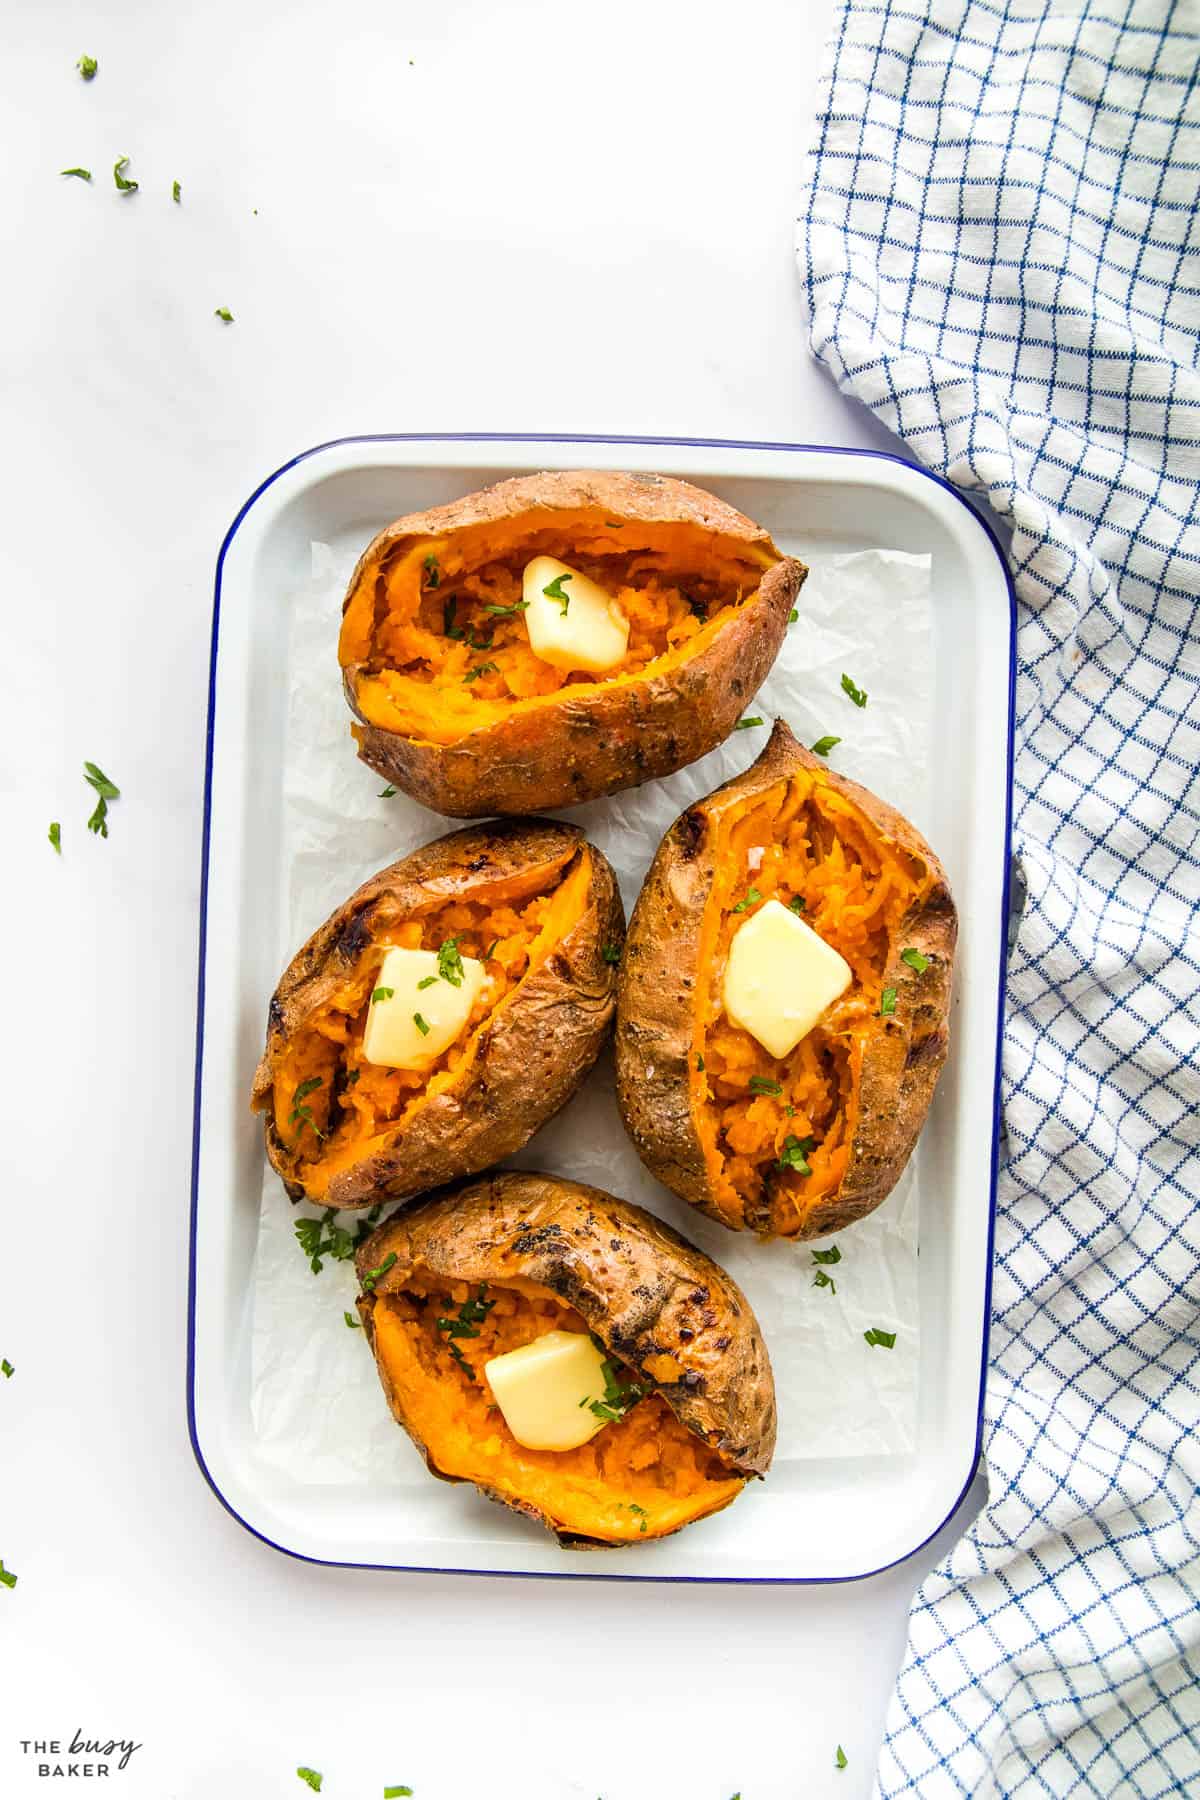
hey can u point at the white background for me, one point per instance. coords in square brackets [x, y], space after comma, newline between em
[469, 215]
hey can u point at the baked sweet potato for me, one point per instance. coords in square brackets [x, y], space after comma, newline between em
[455, 707]
[806, 1144]
[539, 907]
[481, 1268]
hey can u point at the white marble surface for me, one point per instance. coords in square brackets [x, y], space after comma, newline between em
[422, 217]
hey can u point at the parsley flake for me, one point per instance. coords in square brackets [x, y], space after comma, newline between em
[619, 1395]
[125, 185]
[752, 899]
[7, 1370]
[106, 790]
[83, 174]
[450, 963]
[87, 66]
[794, 1154]
[373, 1275]
[7, 1576]
[433, 577]
[301, 1115]
[55, 835]
[857, 694]
[382, 993]
[611, 953]
[640, 1514]
[312, 1778]
[487, 668]
[699, 1063]
[832, 1255]
[429, 981]
[885, 1339]
[176, 192]
[747, 724]
[793, 615]
[450, 627]
[796, 904]
[319, 1238]
[387, 793]
[822, 1280]
[421, 1024]
[887, 1002]
[554, 591]
[396, 1793]
[490, 951]
[223, 313]
[506, 612]
[915, 960]
[353, 1323]
[824, 745]
[840, 1758]
[760, 1085]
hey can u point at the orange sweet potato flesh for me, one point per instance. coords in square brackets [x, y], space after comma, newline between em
[805, 1144]
[453, 705]
[539, 907]
[642, 1476]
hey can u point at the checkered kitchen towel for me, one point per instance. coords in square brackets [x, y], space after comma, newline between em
[1001, 244]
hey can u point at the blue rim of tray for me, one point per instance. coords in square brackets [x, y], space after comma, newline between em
[561, 437]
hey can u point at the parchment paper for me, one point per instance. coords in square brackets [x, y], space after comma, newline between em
[318, 1410]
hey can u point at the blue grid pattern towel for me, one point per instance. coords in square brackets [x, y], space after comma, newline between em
[1001, 243]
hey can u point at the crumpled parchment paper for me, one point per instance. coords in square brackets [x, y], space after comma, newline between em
[318, 1410]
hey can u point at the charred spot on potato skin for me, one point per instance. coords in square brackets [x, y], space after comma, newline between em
[925, 1050]
[689, 834]
[354, 937]
[540, 1237]
[685, 1334]
[275, 1014]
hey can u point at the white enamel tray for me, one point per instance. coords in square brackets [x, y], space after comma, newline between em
[829, 1519]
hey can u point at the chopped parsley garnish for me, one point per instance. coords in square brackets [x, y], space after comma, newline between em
[821, 1279]
[382, 993]
[619, 1395]
[301, 1115]
[352, 1322]
[396, 1793]
[885, 1339]
[176, 192]
[824, 745]
[373, 1275]
[640, 1514]
[312, 1778]
[490, 951]
[915, 960]
[55, 835]
[794, 1154]
[857, 694]
[611, 953]
[760, 1085]
[796, 903]
[387, 793]
[747, 724]
[793, 615]
[87, 66]
[479, 643]
[123, 182]
[840, 1758]
[7, 1576]
[470, 1314]
[699, 1063]
[319, 1238]
[832, 1255]
[554, 591]
[422, 1024]
[887, 1002]
[752, 899]
[450, 962]
[352, 1077]
[433, 578]
[487, 668]
[6, 1369]
[83, 174]
[429, 981]
[506, 612]
[106, 790]
[223, 312]
[450, 627]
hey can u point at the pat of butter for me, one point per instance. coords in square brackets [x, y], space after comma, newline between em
[394, 1038]
[780, 977]
[543, 1387]
[582, 629]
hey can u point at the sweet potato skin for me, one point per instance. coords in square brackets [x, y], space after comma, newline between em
[532, 1056]
[902, 1054]
[591, 740]
[639, 1285]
